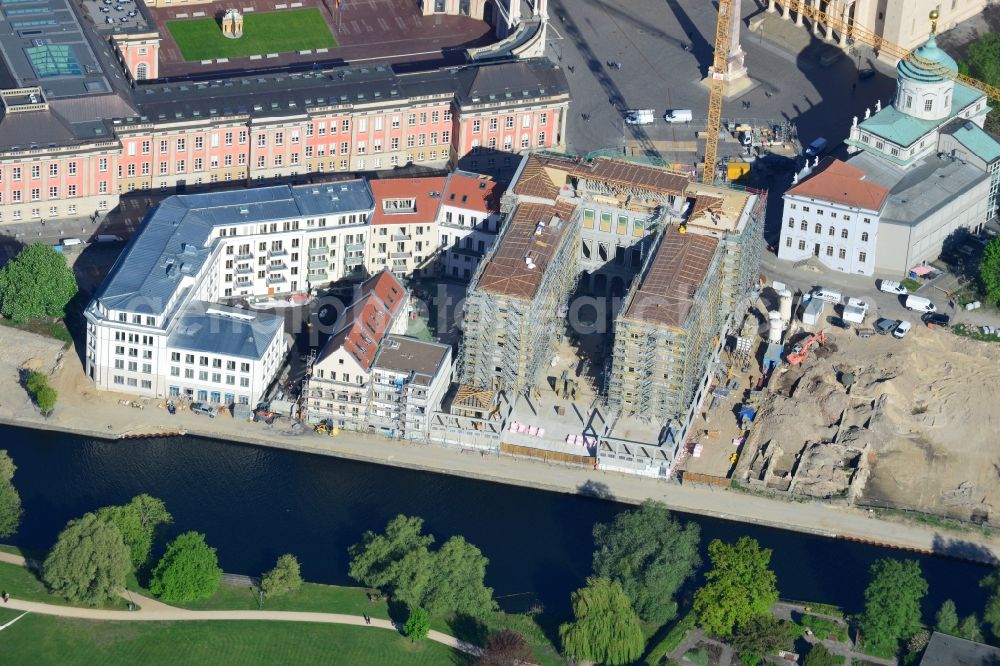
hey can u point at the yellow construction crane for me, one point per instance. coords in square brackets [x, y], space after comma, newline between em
[852, 30]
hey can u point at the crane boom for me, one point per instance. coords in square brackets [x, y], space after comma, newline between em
[716, 89]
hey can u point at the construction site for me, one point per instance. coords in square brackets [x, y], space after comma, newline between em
[876, 421]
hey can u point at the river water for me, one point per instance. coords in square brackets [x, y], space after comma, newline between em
[255, 503]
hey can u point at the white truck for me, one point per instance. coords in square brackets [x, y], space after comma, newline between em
[919, 304]
[679, 116]
[640, 116]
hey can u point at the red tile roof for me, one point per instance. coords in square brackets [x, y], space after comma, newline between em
[473, 192]
[426, 192]
[841, 183]
[368, 319]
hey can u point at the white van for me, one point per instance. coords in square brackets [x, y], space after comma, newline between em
[827, 295]
[71, 241]
[640, 116]
[679, 116]
[919, 304]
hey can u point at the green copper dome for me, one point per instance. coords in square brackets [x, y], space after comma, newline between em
[928, 64]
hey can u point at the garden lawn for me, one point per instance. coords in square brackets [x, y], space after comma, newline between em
[22, 583]
[263, 32]
[311, 597]
[38, 639]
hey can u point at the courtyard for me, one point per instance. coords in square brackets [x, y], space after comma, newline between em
[264, 32]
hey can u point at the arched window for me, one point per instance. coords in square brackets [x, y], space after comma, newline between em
[843, 233]
[141, 72]
[804, 225]
[791, 223]
[833, 230]
[864, 236]
[818, 228]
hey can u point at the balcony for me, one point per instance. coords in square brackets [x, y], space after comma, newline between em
[401, 237]
[318, 263]
[312, 276]
[244, 257]
[278, 266]
[244, 270]
[272, 281]
[317, 251]
[354, 261]
[276, 253]
[400, 255]
[354, 247]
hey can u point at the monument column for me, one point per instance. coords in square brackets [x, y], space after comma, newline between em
[843, 31]
[798, 15]
[815, 4]
[786, 13]
[735, 66]
[770, 6]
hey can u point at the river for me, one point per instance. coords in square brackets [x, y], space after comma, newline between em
[255, 503]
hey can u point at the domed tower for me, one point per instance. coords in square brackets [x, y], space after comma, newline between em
[923, 80]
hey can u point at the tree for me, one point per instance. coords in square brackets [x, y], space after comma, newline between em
[984, 64]
[892, 604]
[819, 656]
[946, 620]
[969, 629]
[505, 648]
[138, 522]
[189, 570]
[89, 562]
[651, 554]
[283, 578]
[10, 500]
[457, 581]
[375, 561]
[41, 392]
[989, 270]
[400, 563]
[417, 625]
[606, 628]
[36, 283]
[739, 586]
[760, 636]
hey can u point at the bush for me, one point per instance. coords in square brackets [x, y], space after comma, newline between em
[283, 578]
[418, 625]
[44, 395]
[671, 640]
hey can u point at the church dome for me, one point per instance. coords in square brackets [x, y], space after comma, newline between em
[928, 64]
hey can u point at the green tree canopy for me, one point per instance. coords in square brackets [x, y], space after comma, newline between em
[417, 625]
[892, 604]
[10, 500]
[36, 283]
[946, 620]
[188, 571]
[992, 613]
[374, 561]
[759, 637]
[138, 522]
[651, 554]
[43, 394]
[739, 586]
[989, 270]
[285, 577]
[505, 648]
[606, 628]
[984, 64]
[819, 656]
[89, 562]
[969, 629]
[400, 563]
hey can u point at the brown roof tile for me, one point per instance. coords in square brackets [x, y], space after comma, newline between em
[838, 182]
[425, 191]
[668, 287]
[366, 322]
[474, 192]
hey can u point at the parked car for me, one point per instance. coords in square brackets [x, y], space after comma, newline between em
[202, 408]
[892, 287]
[902, 329]
[936, 319]
[919, 304]
[838, 322]
[883, 326]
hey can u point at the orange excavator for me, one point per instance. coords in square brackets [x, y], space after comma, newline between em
[801, 352]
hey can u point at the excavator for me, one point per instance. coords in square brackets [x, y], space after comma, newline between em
[854, 32]
[801, 352]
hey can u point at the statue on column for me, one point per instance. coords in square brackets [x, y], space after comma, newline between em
[868, 113]
[855, 122]
[878, 105]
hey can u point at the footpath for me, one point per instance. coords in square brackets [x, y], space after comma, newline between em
[151, 610]
[84, 411]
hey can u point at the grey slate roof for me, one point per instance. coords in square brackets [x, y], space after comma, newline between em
[945, 650]
[403, 354]
[173, 241]
[918, 192]
[218, 329]
[510, 81]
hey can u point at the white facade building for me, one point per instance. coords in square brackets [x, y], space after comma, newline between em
[468, 222]
[833, 215]
[154, 328]
[409, 380]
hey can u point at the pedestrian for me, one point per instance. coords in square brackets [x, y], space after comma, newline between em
[6, 597]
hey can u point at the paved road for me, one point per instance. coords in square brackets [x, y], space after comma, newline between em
[151, 610]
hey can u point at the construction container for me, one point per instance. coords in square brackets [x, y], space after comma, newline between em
[813, 312]
[736, 170]
[854, 314]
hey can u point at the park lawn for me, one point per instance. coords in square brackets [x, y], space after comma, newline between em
[263, 32]
[38, 639]
[311, 597]
[22, 583]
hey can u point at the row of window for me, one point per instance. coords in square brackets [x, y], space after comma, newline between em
[508, 123]
[833, 213]
[204, 361]
[132, 381]
[204, 376]
[818, 229]
[841, 253]
[36, 170]
[35, 193]
[36, 213]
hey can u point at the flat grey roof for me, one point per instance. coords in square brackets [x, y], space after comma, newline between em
[210, 328]
[403, 354]
[945, 650]
[918, 192]
[173, 242]
[43, 44]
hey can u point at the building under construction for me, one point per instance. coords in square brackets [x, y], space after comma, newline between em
[674, 322]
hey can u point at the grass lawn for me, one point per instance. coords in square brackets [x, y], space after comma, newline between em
[37, 639]
[50, 328]
[263, 32]
[22, 583]
[311, 597]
